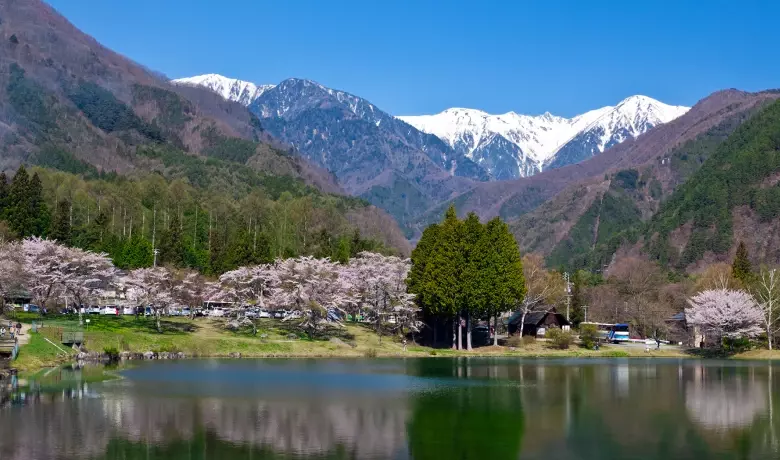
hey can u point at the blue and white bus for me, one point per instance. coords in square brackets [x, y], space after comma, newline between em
[619, 333]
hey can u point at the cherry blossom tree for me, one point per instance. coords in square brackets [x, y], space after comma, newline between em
[246, 286]
[151, 287]
[725, 313]
[11, 268]
[44, 265]
[86, 276]
[378, 285]
[312, 288]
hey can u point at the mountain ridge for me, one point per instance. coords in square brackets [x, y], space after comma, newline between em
[540, 138]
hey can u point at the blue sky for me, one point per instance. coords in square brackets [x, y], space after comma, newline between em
[415, 57]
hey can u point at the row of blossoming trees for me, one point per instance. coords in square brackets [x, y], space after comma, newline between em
[313, 292]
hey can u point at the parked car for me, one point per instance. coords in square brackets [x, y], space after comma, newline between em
[251, 313]
[128, 311]
[94, 310]
[30, 308]
[110, 310]
[186, 311]
[263, 314]
[217, 313]
[148, 311]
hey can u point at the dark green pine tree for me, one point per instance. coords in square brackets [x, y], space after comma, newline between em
[60, 225]
[418, 281]
[577, 297]
[172, 250]
[506, 266]
[39, 213]
[217, 258]
[475, 288]
[445, 266]
[17, 210]
[341, 252]
[742, 269]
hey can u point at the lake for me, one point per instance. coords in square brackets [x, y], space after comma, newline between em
[432, 408]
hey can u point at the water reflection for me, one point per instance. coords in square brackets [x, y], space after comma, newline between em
[432, 408]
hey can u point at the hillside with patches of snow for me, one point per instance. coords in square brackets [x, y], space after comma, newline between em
[513, 145]
[240, 91]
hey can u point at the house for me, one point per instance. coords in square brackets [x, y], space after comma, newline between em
[537, 322]
[679, 331]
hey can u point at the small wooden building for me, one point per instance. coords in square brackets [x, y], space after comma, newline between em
[537, 322]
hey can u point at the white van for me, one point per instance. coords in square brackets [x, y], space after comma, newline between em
[217, 312]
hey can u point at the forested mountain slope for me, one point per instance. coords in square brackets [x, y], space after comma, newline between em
[68, 103]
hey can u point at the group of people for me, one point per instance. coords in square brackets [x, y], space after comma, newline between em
[13, 329]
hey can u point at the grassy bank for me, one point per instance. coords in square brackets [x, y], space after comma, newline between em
[205, 337]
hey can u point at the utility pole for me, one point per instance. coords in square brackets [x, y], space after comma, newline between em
[566, 278]
[585, 310]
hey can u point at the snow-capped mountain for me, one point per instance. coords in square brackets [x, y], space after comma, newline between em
[240, 91]
[514, 145]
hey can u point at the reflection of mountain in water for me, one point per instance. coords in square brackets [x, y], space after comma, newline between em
[724, 403]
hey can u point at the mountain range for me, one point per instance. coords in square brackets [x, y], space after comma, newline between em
[408, 165]
[514, 145]
[506, 146]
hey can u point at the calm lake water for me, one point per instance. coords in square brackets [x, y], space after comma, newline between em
[436, 408]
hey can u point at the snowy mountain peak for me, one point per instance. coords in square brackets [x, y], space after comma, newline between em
[539, 139]
[240, 91]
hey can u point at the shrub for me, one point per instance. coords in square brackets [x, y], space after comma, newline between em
[589, 335]
[112, 353]
[516, 341]
[559, 338]
[370, 353]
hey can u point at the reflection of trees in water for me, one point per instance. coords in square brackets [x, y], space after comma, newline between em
[363, 426]
[52, 426]
[724, 402]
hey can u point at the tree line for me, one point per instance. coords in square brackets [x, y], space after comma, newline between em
[207, 230]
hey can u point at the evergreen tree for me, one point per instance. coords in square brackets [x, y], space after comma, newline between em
[742, 268]
[502, 269]
[342, 252]
[418, 282]
[444, 272]
[475, 287]
[17, 209]
[172, 250]
[39, 213]
[60, 226]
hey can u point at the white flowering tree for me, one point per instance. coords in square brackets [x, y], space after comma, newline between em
[151, 287]
[246, 287]
[312, 288]
[378, 285]
[86, 276]
[726, 313]
[44, 264]
[11, 269]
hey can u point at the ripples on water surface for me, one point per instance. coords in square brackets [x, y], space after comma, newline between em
[436, 408]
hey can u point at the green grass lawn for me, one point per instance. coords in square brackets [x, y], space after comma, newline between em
[206, 337]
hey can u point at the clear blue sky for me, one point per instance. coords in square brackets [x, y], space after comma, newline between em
[418, 56]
